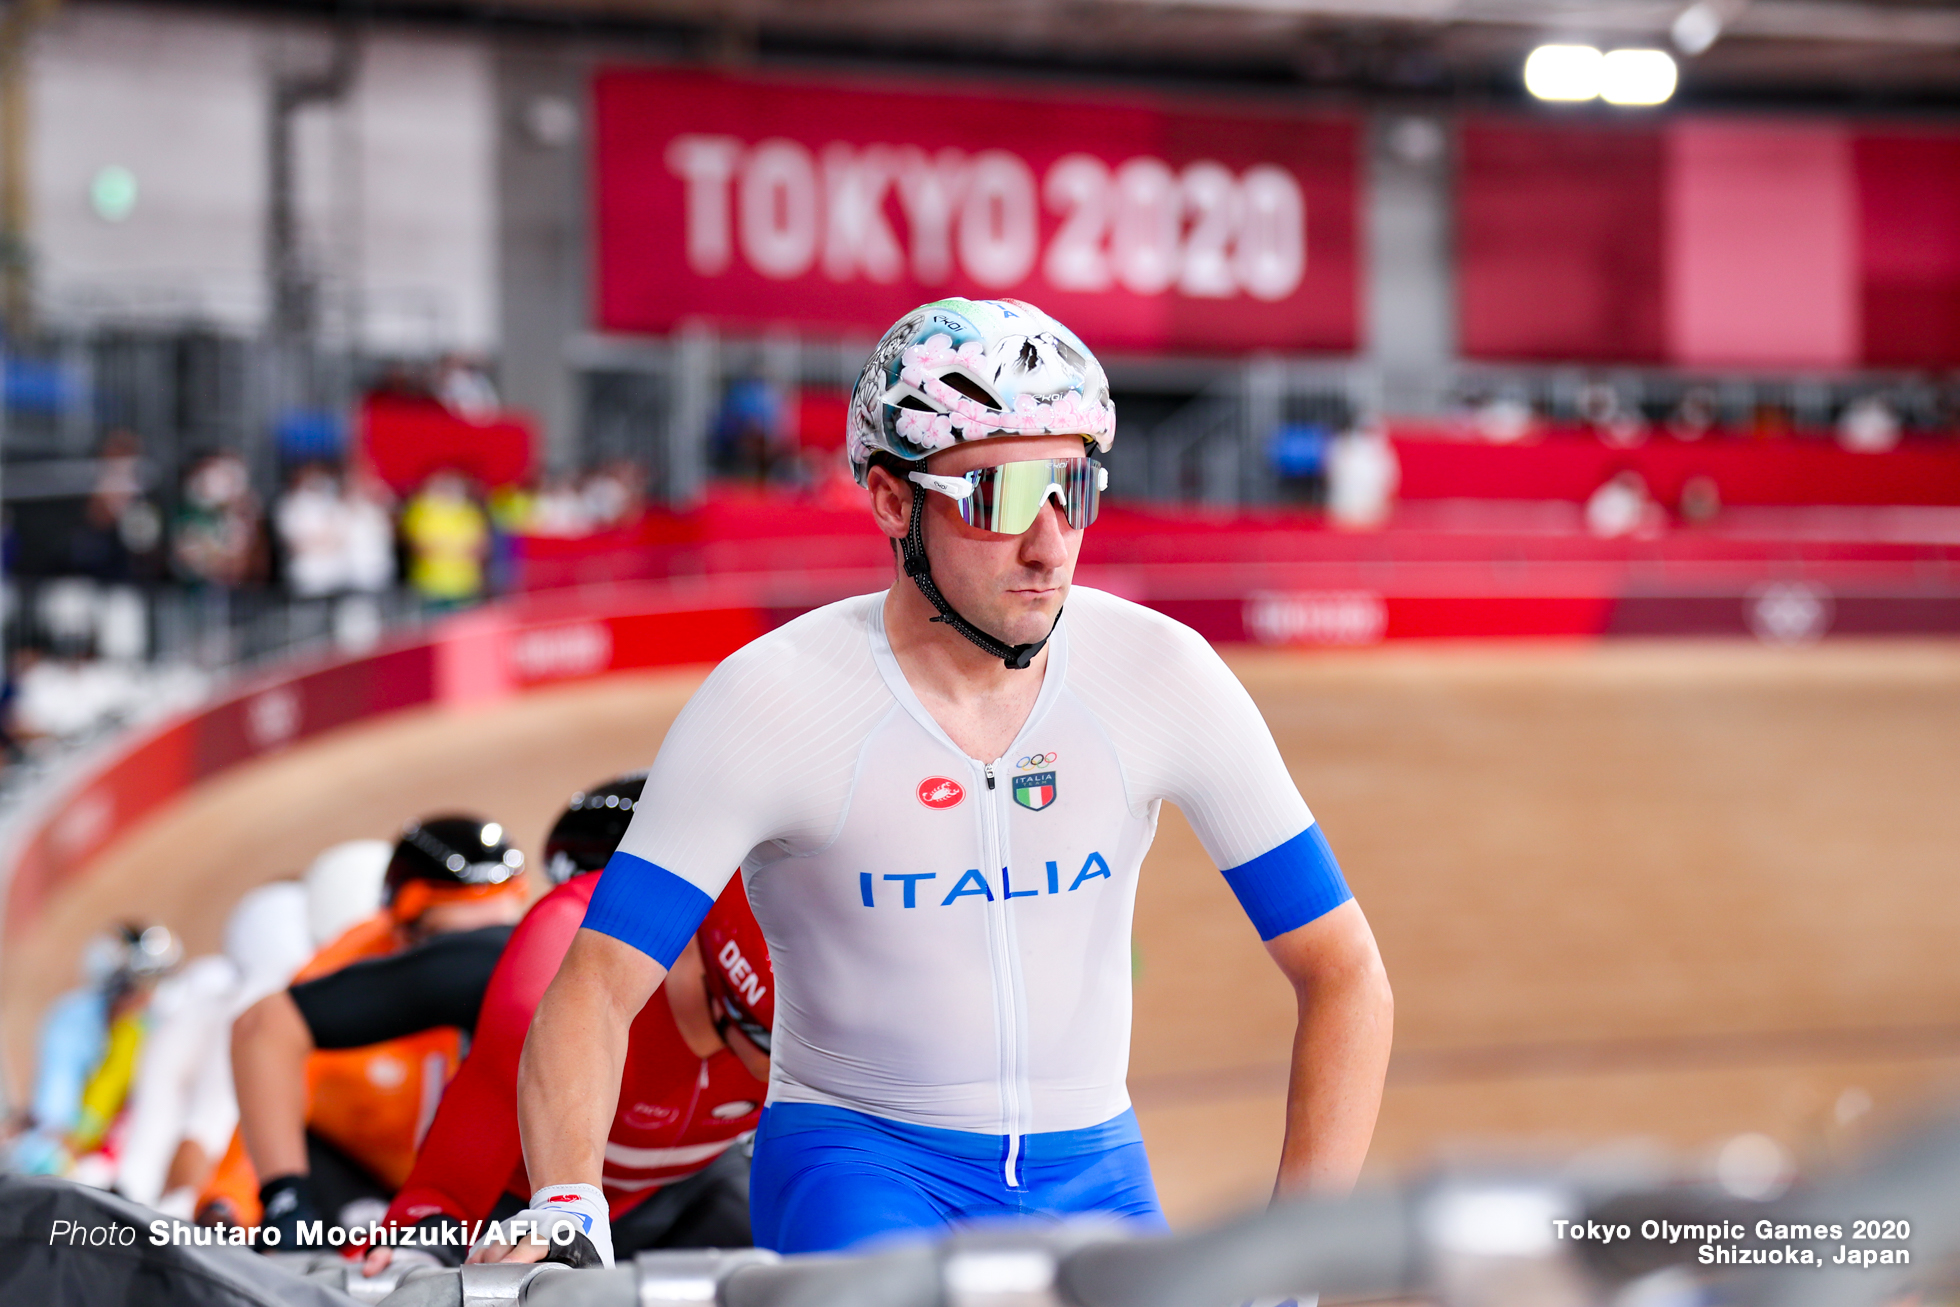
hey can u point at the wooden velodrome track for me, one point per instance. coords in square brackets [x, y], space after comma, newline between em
[1662, 891]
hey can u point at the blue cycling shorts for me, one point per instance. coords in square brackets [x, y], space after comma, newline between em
[826, 1178]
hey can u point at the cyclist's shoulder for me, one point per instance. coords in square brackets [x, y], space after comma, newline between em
[1109, 633]
[817, 653]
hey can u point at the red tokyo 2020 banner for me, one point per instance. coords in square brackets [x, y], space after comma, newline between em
[1144, 224]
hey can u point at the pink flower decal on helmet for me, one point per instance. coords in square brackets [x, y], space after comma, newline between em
[961, 370]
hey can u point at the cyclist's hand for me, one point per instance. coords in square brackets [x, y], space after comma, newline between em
[520, 1252]
[569, 1223]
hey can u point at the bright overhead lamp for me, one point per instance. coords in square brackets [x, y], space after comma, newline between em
[1563, 72]
[1637, 77]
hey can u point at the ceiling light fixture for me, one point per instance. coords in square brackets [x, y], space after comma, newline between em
[1637, 77]
[1575, 73]
[1563, 72]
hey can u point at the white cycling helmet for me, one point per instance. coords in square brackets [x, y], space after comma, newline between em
[266, 936]
[959, 369]
[343, 885]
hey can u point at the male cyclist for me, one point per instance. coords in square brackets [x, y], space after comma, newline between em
[339, 1075]
[940, 797]
[697, 1056]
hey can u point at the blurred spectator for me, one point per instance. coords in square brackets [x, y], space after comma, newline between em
[1504, 419]
[337, 537]
[1297, 453]
[1622, 507]
[1696, 414]
[369, 539]
[511, 508]
[216, 536]
[312, 521]
[1615, 421]
[613, 495]
[465, 389]
[750, 432]
[121, 528]
[63, 698]
[448, 539]
[558, 509]
[1868, 426]
[67, 609]
[1362, 476]
[1701, 500]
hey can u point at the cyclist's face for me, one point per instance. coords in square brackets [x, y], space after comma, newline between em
[1012, 586]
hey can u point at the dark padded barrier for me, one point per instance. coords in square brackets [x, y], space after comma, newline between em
[90, 1262]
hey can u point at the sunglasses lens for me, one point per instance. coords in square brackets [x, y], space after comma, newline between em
[1007, 498]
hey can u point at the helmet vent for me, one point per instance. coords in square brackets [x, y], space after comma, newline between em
[913, 401]
[970, 388]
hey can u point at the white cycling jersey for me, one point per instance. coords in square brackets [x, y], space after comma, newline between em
[951, 936]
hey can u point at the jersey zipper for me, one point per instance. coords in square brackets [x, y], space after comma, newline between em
[1006, 984]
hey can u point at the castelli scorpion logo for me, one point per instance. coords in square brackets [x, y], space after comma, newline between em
[940, 792]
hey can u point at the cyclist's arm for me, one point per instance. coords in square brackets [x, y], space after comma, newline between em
[471, 1152]
[1206, 748]
[568, 1077]
[437, 983]
[1340, 1048]
[269, 1047]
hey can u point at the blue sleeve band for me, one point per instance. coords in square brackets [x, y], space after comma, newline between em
[646, 906]
[1286, 887]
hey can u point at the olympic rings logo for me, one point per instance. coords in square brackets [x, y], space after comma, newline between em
[1036, 760]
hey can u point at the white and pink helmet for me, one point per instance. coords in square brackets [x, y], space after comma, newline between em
[960, 369]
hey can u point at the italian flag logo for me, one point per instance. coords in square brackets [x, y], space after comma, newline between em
[1035, 791]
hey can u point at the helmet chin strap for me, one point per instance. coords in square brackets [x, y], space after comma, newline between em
[913, 547]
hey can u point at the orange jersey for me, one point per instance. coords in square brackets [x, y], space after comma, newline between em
[373, 1103]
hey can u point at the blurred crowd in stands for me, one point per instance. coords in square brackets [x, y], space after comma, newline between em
[136, 573]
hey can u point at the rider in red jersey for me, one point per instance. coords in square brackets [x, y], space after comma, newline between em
[696, 1070]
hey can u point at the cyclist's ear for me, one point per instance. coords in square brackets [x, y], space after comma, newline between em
[891, 498]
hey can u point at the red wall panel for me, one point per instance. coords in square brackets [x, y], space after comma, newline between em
[1909, 247]
[1559, 241]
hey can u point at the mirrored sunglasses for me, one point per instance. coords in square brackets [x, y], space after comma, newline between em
[1007, 497]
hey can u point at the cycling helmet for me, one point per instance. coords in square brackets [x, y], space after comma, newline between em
[591, 827]
[130, 952]
[741, 981]
[266, 936]
[961, 369]
[343, 885]
[957, 370]
[449, 858]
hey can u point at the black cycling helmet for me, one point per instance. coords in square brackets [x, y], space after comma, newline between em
[591, 827]
[454, 852]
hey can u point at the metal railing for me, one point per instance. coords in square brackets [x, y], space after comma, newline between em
[1460, 1240]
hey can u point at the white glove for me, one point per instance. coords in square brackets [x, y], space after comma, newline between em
[581, 1207]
